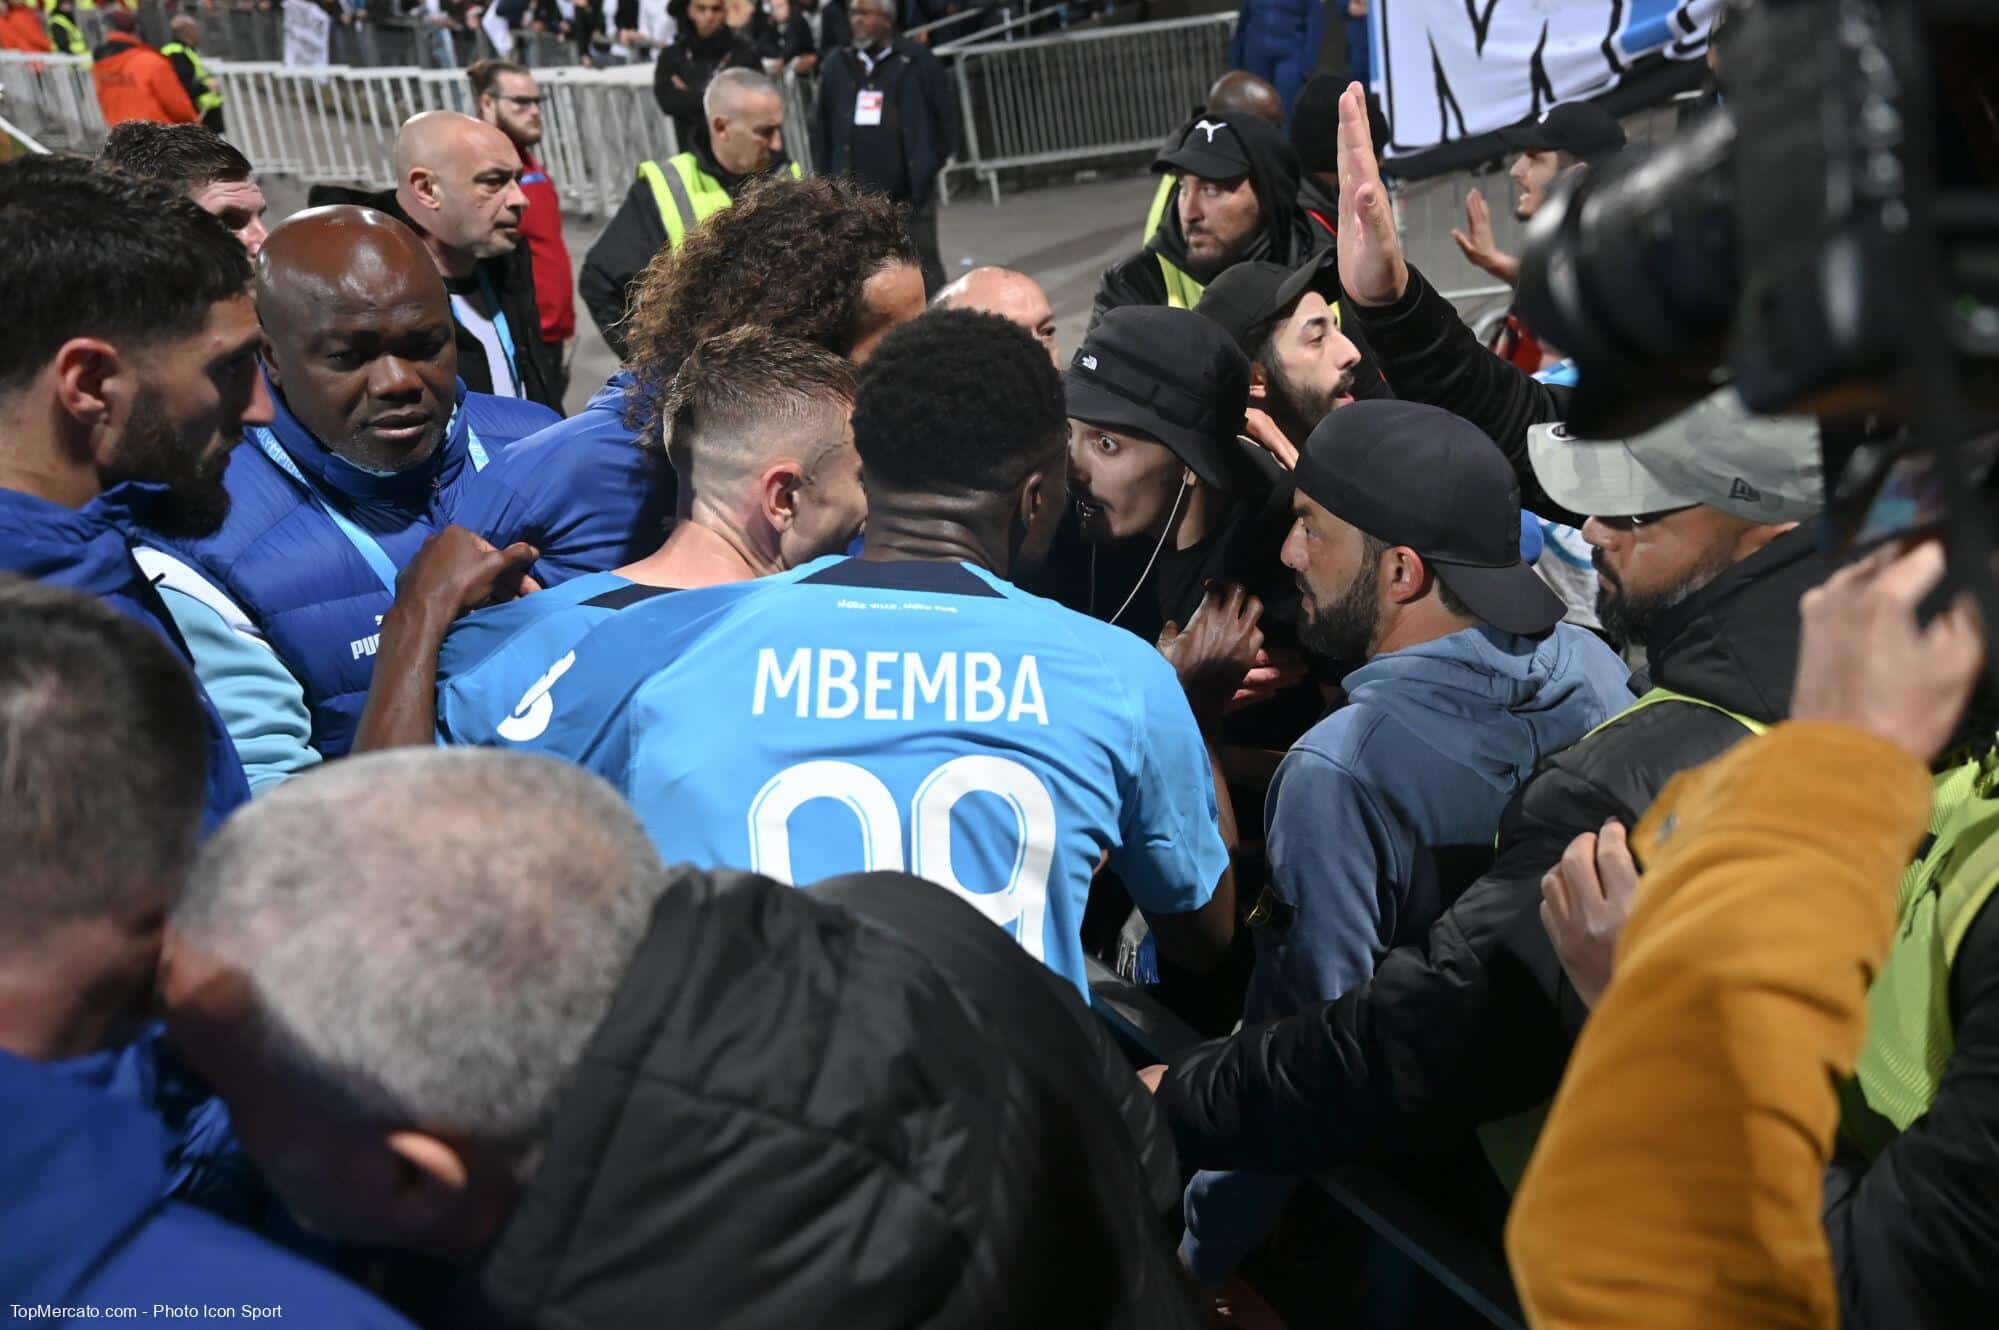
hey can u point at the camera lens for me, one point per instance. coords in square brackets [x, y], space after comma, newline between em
[1633, 271]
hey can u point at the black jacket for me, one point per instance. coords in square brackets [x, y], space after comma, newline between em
[834, 33]
[1288, 236]
[1319, 203]
[694, 61]
[1428, 355]
[633, 235]
[763, 35]
[878, 1112]
[1913, 1235]
[918, 108]
[1476, 1024]
[511, 277]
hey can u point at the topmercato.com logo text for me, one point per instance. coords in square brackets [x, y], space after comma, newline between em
[159, 1311]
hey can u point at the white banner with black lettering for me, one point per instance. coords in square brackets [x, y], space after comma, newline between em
[307, 33]
[1452, 70]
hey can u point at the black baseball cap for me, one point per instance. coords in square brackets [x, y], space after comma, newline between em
[1417, 475]
[1210, 148]
[1174, 376]
[1573, 127]
[1251, 296]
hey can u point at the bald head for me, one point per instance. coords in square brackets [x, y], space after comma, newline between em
[361, 342]
[1013, 296]
[185, 30]
[433, 138]
[328, 262]
[1239, 90]
[458, 179]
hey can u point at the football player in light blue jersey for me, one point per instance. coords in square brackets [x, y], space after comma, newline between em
[911, 708]
[758, 428]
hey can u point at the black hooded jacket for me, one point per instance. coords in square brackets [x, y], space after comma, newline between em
[1288, 236]
[1475, 1025]
[511, 279]
[859, 1106]
[695, 61]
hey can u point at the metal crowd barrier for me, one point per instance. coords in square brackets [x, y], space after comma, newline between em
[52, 99]
[338, 125]
[1082, 97]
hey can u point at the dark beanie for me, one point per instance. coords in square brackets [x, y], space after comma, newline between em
[1315, 124]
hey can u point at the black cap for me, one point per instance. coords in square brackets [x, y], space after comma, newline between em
[1173, 376]
[1419, 476]
[1210, 148]
[1573, 127]
[1251, 296]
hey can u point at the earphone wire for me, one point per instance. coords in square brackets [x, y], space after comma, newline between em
[1172, 519]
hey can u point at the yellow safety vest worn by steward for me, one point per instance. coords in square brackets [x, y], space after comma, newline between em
[1182, 291]
[208, 99]
[1909, 1031]
[1157, 213]
[1510, 1141]
[687, 195]
[66, 37]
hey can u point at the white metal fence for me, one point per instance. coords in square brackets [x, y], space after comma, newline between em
[338, 124]
[1072, 98]
[1082, 96]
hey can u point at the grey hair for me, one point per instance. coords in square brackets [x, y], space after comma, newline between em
[430, 936]
[731, 84]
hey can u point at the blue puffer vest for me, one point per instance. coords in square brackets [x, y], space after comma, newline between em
[300, 577]
[89, 550]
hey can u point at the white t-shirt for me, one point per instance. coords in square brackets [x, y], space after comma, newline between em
[488, 334]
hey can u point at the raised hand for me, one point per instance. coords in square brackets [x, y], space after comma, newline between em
[1372, 269]
[1477, 244]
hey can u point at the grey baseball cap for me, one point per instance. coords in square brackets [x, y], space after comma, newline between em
[1762, 468]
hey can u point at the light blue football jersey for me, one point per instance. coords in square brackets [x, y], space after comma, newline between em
[485, 652]
[851, 716]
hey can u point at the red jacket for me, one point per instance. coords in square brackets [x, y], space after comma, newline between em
[135, 82]
[21, 29]
[554, 279]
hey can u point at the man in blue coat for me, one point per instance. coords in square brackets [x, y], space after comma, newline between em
[372, 435]
[127, 372]
[103, 724]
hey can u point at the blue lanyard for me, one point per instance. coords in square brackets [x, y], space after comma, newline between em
[358, 536]
[503, 330]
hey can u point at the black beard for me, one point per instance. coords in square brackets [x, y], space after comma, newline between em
[196, 502]
[1344, 630]
[1298, 413]
[1630, 619]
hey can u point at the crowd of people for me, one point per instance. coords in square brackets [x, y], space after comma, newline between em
[471, 866]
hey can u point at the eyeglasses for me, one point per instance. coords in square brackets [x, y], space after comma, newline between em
[522, 102]
[1636, 520]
